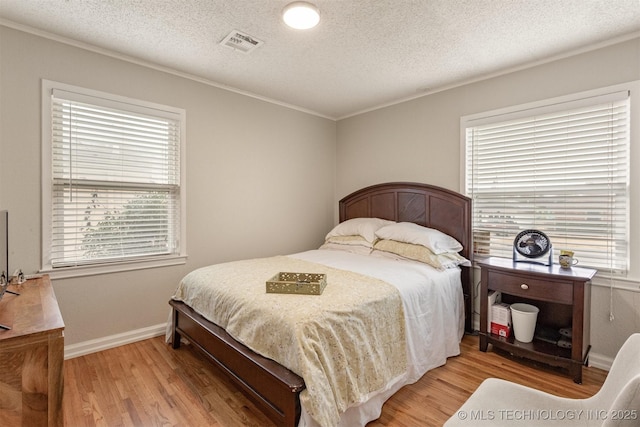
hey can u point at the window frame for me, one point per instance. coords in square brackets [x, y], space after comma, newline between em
[145, 262]
[633, 248]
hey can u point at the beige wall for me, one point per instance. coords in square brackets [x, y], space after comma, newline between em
[419, 140]
[260, 177]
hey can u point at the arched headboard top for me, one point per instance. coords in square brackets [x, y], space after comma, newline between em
[423, 204]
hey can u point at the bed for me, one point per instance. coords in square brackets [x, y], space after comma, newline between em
[273, 386]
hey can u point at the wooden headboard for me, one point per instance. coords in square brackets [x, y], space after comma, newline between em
[423, 204]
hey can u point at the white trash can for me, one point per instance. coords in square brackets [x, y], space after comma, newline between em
[523, 318]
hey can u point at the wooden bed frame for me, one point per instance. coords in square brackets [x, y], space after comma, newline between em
[274, 388]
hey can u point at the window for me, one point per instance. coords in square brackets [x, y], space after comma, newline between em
[559, 166]
[112, 187]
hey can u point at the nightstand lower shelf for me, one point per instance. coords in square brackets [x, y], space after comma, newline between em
[539, 351]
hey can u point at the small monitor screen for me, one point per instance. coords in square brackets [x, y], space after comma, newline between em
[4, 243]
[4, 251]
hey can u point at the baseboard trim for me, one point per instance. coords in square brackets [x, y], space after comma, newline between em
[599, 361]
[99, 344]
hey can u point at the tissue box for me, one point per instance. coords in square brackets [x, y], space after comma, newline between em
[501, 314]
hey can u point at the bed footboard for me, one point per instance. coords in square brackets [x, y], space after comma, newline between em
[268, 384]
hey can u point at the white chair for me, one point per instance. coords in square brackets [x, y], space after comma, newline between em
[502, 403]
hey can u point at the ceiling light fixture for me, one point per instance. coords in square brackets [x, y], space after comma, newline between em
[301, 15]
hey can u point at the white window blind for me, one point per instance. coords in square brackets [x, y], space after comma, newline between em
[562, 169]
[115, 171]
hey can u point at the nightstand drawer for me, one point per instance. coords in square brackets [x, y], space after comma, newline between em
[529, 287]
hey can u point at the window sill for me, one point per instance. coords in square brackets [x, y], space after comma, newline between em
[116, 267]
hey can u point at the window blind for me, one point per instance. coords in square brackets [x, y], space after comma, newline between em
[115, 181]
[562, 169]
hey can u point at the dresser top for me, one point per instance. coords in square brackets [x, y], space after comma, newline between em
[34, 311]
[580, 273]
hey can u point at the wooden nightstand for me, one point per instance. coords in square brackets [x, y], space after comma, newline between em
[563, 297]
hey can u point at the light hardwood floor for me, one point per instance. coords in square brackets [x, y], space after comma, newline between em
[150, 384]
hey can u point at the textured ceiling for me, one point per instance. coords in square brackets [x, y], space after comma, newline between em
[363, 54]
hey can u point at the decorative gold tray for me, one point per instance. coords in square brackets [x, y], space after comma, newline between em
[297, 283]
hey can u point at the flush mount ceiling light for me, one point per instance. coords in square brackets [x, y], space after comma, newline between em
[301, 15]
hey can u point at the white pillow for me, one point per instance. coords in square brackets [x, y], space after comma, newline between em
[355, 244]
[356, 240]
[355, 249]
[408, 232]
[365, 227]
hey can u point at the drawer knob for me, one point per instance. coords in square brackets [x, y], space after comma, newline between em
[524, 286]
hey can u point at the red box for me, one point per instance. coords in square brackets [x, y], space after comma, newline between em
[500, 330]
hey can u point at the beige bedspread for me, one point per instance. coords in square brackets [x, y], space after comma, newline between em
[345, 343]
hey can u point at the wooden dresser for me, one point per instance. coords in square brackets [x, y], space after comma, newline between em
[31, 356]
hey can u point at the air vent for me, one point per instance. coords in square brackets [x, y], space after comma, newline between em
[241, 42]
